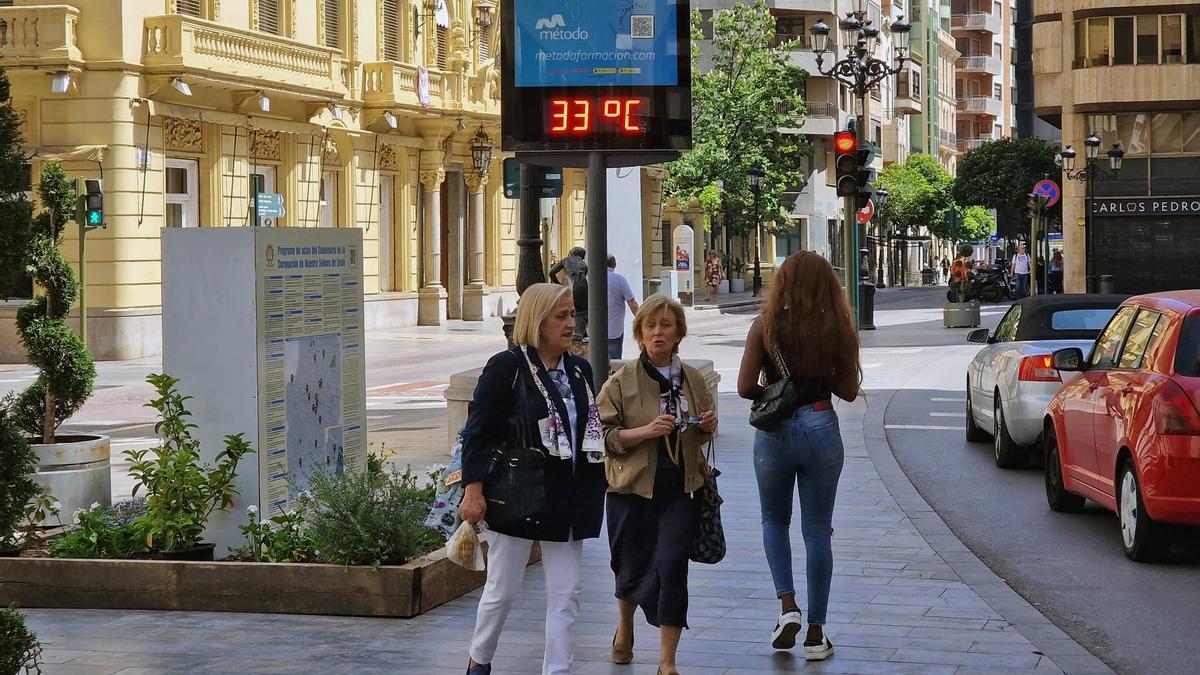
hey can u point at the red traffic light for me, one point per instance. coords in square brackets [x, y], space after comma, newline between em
[845, 142]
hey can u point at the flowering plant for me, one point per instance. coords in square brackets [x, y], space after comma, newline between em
[99, 532]
[281, 538]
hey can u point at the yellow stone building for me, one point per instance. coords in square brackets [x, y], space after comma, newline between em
[360, 113]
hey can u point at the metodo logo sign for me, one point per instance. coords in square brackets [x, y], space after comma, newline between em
[552, 29]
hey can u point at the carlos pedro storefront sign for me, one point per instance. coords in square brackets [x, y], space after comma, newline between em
[1147, 206]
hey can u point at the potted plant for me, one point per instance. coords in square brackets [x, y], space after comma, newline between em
[737, 276]
[181, 493]
[29, 245]
[959, 312]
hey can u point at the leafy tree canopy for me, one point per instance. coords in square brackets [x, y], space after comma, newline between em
[919, 194]
[739, 105]
[999, 174]
[976, 224]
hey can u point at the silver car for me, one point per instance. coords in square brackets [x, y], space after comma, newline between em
[1012, 379]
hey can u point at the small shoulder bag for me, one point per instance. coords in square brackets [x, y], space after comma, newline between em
[778, 400]
[515, 488]
[709, 546]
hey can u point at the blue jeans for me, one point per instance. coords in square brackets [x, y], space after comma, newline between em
[805, 452]
[1022, 285]
[614, 346]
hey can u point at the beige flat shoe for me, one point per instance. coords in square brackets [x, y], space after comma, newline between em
[663, 672]
[622, 655]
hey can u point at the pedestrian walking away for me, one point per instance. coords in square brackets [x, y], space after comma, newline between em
[1055, 275]
[806, 334]
[1020, 267]
[657, 416]
[572, 270]
[620, 296]
[714, 273]
[538, 390]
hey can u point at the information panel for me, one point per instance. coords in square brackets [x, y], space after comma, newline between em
[587, 75]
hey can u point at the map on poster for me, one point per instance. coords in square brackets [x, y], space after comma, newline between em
[312, 392]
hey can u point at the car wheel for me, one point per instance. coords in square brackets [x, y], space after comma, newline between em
[1142, 539]
[1056, 492]
[974, 433]
[1008, 454]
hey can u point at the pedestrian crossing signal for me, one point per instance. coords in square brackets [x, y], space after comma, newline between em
[89, 210]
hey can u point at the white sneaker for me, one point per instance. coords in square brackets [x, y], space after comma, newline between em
[819, 652]
[784, 635]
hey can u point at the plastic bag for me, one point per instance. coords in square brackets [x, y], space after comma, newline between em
[443, 515]
[464, 548]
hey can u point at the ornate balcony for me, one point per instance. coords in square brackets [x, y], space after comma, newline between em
[390, 84]
[177, 44]
[39, 36]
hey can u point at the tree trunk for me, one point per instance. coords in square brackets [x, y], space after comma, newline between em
[48, 418]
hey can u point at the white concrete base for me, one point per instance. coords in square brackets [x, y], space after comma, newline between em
[474, 299]
[113, 334]
[462, 389]
[431, 306]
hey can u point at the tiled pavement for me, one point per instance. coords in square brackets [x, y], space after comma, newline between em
[908, 597]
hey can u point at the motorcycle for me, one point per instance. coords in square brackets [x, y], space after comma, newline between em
[989, 283]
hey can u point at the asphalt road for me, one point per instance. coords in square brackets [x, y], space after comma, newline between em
[1138, 618]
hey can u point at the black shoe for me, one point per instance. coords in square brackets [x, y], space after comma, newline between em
[480, 669]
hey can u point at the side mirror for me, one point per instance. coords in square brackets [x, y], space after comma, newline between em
[1068, 360]
[979, 335]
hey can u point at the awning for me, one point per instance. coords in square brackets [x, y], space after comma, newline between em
[70, 153]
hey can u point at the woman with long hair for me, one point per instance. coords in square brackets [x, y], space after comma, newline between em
[805, 332]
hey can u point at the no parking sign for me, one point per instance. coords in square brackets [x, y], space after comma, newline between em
[1048, 189]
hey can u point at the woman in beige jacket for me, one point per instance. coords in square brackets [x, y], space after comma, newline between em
[657, 416]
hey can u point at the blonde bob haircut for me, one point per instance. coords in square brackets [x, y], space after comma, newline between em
[650, 308]
[535, 305]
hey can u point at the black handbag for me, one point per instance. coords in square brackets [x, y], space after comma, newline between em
[515, 488]
[778, 400]
[709, 546]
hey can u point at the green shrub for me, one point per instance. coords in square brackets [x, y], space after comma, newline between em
[18, 464]
[281, 538]
[100, 532]
[19, 648]
[181, 493]
[366, 518]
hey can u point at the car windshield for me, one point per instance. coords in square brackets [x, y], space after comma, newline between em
[1090, 319]
[1187, 354]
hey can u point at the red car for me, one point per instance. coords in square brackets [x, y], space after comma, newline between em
[1124, 430]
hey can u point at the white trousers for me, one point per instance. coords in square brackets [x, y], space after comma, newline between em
[506, 562]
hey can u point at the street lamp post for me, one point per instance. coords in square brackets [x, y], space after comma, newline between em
[755, 176]
[860, 72]
[881, 228]
[1091, 173]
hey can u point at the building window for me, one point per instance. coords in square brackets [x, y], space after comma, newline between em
[485, 44]
[268, 16]
[188, 7]
[998, 91]
[706, 24]
[262, 180]
[1123, 41]
[333, 24]
[1147, 39]
[1166, 133]
[390, 13]
[443, 47]
[386, 257]
[1193, 38]
[182, 193]
[1097, 42]
[1172, 38]
[327, 206]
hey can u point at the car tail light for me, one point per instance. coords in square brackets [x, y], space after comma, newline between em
[1174, 414]
[1038, 369]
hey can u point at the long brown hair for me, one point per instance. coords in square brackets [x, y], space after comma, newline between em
[808, 317]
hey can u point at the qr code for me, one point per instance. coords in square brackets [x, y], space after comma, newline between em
[641, 26]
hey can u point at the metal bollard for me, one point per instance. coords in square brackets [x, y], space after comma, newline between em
[1106, 283]
[866, 305]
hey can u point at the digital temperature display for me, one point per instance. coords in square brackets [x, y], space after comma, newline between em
[580, 116]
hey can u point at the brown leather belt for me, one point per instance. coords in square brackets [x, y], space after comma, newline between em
[821, 406]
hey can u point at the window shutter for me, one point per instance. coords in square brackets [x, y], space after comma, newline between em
[485, 47]
[333, 24]
[443, 39]
[268, 16]
[391, 30]
[189, 7]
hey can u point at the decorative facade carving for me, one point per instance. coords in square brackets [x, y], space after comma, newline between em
[475, 182]
[459, 57]
[216, 10]
[321, 22]
[387, 158]
[292, 19]
[181, 134]
[265, 144]
[253, 14]
[330, 153]
[433, 178]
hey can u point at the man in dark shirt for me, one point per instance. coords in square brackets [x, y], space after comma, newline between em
[574, 269]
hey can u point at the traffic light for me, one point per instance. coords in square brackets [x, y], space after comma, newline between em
[866, 175]
[845, 149]
[89, 209]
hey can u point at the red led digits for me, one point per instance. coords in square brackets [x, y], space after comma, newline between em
[575, 116]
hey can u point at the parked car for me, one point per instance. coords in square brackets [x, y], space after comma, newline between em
[1011, 380]
[1124, 430]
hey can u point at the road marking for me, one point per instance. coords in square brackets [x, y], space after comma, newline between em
[131, 427]
[935, 399]
[16, 380]
[134, 441]
[921, 427]
[947, 414]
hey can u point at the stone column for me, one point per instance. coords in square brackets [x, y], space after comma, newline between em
[475, 293]
[455, 244]
[431, 307]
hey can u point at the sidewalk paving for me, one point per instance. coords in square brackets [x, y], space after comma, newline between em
[907, 597]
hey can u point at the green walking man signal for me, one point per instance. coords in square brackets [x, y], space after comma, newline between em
[89, 207]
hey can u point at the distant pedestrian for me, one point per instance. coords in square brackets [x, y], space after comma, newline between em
[620, 296]
[1019, 266]
[1055, 276]
[571, 271]
[806, 334]
[945, 269]
[714, 272]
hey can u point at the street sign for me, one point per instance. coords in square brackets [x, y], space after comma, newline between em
[547, 180]
[1048, 189]
[269, 205]
[866, 213]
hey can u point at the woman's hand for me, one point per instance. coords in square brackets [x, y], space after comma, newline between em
[708, 422]
[662, 425]
[473, 506]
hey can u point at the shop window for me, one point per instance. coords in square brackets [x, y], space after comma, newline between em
[1123, 41]
[1191, 133]
[1097, 42]
[1172, 38]
[263, 180]
[1166, 133]
[1147, 39]
[181, 193]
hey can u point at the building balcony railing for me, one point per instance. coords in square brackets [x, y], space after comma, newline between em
[175, 43]
[791, 42]
[390, 83]
[969, 144]
[981, 21]
[947, 139]
[908, 104]
[40, 36]
[820, 109]
[979, 64]
[981, 105]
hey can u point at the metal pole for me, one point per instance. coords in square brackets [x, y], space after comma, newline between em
[1090, 253]
[757, 244]
[597, 260]
[529, 258]
[82, 282]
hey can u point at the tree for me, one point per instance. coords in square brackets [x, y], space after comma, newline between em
[999, 174]
[738, 108]
[66, 370]
[977, 224]
[919, 194]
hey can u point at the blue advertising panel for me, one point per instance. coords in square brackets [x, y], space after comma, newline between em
[596, 43]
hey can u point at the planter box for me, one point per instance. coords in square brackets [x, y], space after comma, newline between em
[960, 314]
[737, 285]
[723, 289]
[274, 588]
